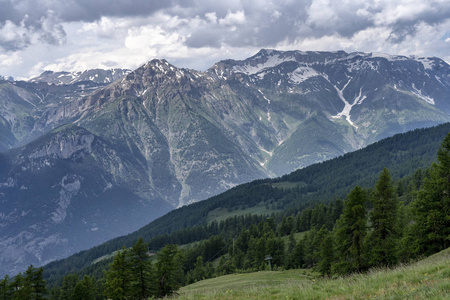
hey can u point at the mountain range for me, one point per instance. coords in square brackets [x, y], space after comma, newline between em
[313, 188]
[91, 155]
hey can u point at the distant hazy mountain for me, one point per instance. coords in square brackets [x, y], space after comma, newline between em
[95, 75]
[31, 108]
[162, 136]
[7, 78]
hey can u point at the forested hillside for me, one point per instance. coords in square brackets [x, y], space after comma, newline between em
[403, 154]
[395, 209]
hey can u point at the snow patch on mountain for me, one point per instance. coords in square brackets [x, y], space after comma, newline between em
[302, 74]
[347, 106]
[427, 63]
[387, 56]
[66, 78]
[265, 98]
[419, 94]
[271, 62]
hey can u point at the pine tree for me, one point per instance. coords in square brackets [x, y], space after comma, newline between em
[275, 248]
[17, 287]
[351, 229]
[326, 253]
[68, 285]
[26, 289]
[298, 257]
[142, 286]
[31, 286]
[383, 238]
[432, 207]
[199, 272]
[6, 292]
[55, 293]
[310, 248]
[85, 289]
[118, 283]
[38, 284]
[168, 270]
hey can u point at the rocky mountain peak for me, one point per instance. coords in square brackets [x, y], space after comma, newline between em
[98, 76]
[162, 136]
[7, 78]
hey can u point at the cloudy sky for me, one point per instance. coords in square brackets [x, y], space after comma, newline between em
[37, 35]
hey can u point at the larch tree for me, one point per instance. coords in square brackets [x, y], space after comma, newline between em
[118, 283]
[350, 231]
[68, 286]
[168, 270]
[326, 253]
[142, 283]
[383, 238]
[85, 289]
[432, 207]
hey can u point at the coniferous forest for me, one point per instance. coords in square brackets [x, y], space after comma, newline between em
[390, 222]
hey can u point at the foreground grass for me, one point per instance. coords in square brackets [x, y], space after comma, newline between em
[427, 279]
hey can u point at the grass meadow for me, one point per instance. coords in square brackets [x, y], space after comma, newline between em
[425, 279]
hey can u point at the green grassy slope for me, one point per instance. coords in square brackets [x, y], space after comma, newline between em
[426, 279]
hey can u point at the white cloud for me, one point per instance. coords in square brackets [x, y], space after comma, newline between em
[150, 37]
[10, 60]
[391, 12]
[13, 37]
[76, 35]
[321, 13]
[211, 17]
[233, 18]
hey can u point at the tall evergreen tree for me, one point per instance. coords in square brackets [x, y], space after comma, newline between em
[432, 207]
[199, 272]
[17, 287]
[275, 248]
[118, 283]
[68, 285]
[168, 270]
[55, 293]
[326, 253]
[6, 292]
[142, 286]
[383, 238]
[350, 231]
[38, 284]
[85, 289]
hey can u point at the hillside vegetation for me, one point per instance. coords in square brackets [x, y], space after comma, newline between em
[425, 279]
[403, 154]
[392, 221]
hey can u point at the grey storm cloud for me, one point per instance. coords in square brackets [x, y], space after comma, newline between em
[433, 15]
[263, 23]
[270, 22]
[23, 20]
[77, 10]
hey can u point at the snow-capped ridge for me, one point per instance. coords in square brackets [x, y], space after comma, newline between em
[256, 67]
[6, 78]
[99, 76]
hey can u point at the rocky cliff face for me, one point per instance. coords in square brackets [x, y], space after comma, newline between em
[161, 136]
[97, 76]
[29, 109]
[67, 191]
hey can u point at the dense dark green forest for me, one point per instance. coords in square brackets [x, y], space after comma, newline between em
[342, 216]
